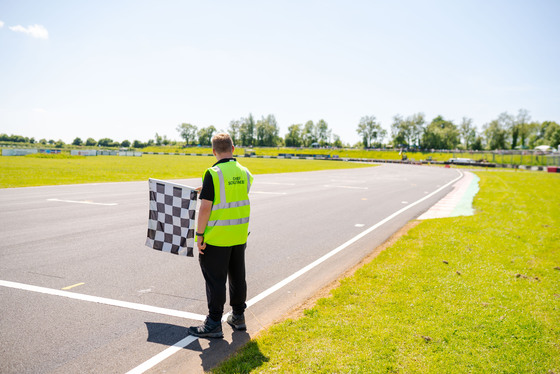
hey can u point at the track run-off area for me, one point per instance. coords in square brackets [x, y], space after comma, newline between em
[81, 293]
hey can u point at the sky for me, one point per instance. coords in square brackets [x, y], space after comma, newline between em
[129, 69]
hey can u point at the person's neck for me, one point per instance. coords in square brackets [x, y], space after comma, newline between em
[221, 156]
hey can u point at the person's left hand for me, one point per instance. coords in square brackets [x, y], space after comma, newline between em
[201, 244]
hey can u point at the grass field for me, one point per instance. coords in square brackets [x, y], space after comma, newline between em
[38, 170]
[477, 294]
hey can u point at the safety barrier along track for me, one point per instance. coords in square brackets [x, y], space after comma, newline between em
[380, 161]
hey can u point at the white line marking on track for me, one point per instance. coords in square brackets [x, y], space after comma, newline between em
[183, 343]
[163, 355]
[82, 202]
[269, 193]
[103, 300]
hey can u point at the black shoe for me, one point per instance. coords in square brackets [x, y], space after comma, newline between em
[210, 329]
[237, 322]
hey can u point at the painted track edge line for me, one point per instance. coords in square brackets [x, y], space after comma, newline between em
[103, 300]
[147, 365]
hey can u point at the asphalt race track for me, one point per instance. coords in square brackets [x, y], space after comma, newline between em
[81, 293]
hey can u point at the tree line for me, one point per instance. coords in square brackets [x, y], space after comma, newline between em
[507, 131]
[264, 132]
[413, 132]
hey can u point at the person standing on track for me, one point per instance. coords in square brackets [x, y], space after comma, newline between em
[221, 237]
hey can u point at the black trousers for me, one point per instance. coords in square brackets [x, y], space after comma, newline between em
[219, 264]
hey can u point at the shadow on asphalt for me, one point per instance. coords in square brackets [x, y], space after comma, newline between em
[164, 333]
[218, 349]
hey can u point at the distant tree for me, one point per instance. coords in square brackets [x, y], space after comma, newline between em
[506, 131]
[399, 131]
[233, 131]
[205, 135]
[507, 122]
[14, 138]
[138, 144]
[370, 130]
[59, 144]
[477, 144]
[520, 129]
[323, 132]
[336, 141]
[552, 133]
[247, 131]
[77, 141]
[51, 141]
[511, 134]
[260, 132]
[468, 132]
[187, 132]
[266, 130]
[165, 141]
[273, 130]
[309, 133]
[440, 134]
[158, 139]
[32, 140]
[125, 144]
[407, 132]
[416, 123]
[90, 142]
[105, 142]
[43, 141]
[495, 135]
[293, 137]
[535, 134]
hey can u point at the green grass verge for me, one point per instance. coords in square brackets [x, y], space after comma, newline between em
[38, 170]
[493, 306]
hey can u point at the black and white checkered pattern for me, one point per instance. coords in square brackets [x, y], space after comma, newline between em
[171, 219]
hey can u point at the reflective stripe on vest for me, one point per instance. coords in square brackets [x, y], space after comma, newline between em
[229, 222]
[223, 204]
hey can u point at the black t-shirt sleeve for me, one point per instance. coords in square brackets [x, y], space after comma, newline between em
[207, 192]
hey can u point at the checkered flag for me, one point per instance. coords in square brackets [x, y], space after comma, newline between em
[171, 218]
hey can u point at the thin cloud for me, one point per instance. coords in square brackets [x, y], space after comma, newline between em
[1, 24]
[36, 31]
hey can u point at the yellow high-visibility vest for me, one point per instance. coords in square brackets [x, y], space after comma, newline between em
[229, 220]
